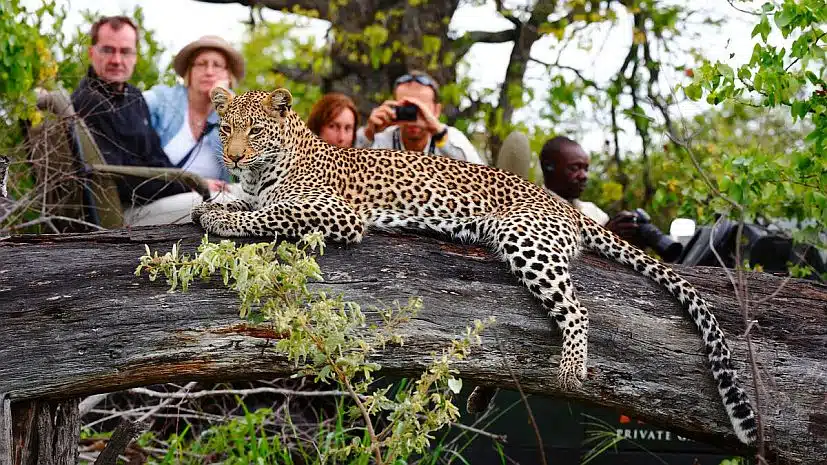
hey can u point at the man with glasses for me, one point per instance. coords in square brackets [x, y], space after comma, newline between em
[116, 112]
[411, 122]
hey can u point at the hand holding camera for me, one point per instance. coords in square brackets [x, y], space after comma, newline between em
[380, 118]
[636, 227]
[431, 122]
[406, 110]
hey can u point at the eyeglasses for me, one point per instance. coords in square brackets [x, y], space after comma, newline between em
[206, 64]
[421, 79]
[108, 50]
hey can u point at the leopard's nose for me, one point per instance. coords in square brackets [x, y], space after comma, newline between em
[233, 158]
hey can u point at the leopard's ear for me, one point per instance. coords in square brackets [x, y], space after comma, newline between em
[221, 99]
[278, 102]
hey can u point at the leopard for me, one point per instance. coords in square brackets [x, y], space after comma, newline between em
[293, 183]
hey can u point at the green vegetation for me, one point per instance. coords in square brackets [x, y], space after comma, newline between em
[788, 178]
[756, 153]
[328, 339]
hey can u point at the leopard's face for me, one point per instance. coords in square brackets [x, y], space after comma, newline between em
[254, 128]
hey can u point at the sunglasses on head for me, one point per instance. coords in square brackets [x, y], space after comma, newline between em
[424, 80]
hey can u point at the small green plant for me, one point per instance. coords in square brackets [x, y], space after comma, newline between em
[733, 461]
[330, 339]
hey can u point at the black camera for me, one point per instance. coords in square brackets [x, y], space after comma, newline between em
[668, 249]
[406, 112]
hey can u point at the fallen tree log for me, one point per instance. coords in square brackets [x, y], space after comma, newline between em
[75, 320]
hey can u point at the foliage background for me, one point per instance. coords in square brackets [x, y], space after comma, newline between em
[759, 143]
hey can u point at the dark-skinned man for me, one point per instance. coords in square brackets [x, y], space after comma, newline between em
[565, 168]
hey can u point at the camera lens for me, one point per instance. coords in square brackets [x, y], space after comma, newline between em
[668, 249]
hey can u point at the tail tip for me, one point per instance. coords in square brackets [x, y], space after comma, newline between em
[747, 430]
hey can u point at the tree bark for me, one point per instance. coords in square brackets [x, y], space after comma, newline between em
[408, 29]
[525, 35]
[39, 432]
[75, 321]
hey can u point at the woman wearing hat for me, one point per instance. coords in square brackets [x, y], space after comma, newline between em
[183, 115]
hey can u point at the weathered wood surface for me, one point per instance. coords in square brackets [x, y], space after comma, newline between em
[74, 320]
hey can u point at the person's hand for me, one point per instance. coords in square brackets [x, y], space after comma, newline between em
[217, 185]
[625, 225]
[380, 118]
[432, 123]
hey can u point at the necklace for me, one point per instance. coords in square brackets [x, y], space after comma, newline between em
[197, 124]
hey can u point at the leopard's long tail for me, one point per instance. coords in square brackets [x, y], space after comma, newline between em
[734, 397]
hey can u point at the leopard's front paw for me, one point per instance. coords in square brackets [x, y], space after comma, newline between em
[199, 210]
[219, 222]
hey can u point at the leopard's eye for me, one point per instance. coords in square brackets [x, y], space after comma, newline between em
[226, 127]
[255, 130]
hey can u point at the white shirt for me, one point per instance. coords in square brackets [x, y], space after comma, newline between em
[456, 146]
[587, 208]
[202, 161]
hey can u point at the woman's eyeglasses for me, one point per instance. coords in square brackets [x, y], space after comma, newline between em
[203, 65]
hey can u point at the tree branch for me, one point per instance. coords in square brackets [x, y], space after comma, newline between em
[574, 70]
[506, 14]
[68, 298]
[321, 6]
[124, 434]
[463, 44]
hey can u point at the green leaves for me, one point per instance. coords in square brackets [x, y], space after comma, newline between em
[693, 91]
[329, 339]
[762, 28]
[784, 18]
[33, 55]
[789, 182]
[799, 109]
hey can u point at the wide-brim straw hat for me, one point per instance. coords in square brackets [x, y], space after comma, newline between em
[183, 59]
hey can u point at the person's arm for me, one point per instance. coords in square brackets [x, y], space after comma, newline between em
[625, 225]
[96, 112]
[361, 141]
[379, 119]
[153, 99]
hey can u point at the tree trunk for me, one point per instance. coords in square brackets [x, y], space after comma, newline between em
[75, 321]
[412, 34]
[526, 35]
[39, 432]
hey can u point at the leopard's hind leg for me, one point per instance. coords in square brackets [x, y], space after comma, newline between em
[538, 249]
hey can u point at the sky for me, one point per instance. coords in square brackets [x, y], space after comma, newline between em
[178, 22]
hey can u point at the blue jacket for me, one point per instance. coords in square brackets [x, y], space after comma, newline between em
[167, 109]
